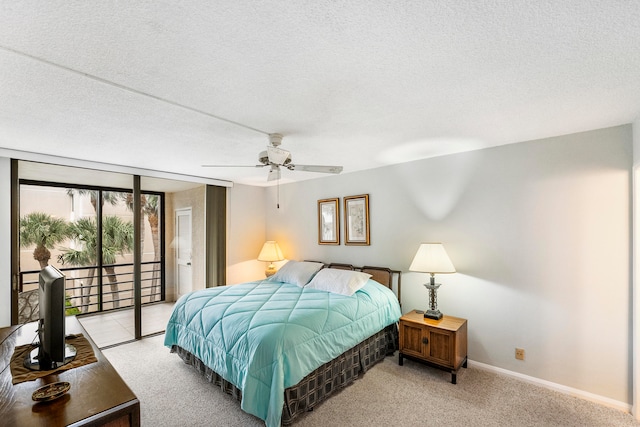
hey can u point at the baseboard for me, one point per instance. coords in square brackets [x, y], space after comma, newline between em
[556, 387]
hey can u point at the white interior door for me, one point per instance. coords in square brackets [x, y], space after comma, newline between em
[183, 251]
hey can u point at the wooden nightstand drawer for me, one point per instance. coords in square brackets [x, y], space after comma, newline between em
[442, 343]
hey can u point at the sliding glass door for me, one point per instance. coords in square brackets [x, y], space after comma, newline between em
[90, 224]
[87, 232]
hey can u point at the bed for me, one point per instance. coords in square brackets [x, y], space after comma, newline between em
[282, 345]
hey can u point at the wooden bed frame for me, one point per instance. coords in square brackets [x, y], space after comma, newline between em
[331, 377]
[382, 275]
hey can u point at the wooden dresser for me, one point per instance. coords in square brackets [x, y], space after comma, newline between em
[440, 343]
[98, 395]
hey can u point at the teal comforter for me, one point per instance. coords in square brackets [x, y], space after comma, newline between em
[267, 336]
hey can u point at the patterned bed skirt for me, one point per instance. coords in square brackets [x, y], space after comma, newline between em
[319, 384]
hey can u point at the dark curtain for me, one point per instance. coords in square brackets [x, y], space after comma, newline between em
[216, 229]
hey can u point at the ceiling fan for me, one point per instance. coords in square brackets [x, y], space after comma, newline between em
[274, 157]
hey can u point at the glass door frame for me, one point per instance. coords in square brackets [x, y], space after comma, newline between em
[16, 183]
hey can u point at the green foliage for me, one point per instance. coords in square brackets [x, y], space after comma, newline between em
[151, 204]
[70, 310]
[117, 239]
[84, 232]
[44, 231]
[39, 228]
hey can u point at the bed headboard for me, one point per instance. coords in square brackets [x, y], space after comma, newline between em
[382, 275]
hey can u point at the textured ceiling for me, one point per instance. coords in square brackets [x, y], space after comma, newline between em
[170, 85]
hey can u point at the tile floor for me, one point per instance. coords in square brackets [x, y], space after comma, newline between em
[116, 327]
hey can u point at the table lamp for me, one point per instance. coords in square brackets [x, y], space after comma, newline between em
[432, 258]
[270, 253]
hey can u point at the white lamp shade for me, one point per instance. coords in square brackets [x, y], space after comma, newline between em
[270, 252]
[432, 258]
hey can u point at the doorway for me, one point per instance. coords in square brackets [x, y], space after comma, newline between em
[183, 251]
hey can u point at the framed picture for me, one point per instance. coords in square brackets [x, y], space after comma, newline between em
[329, 221]
[356, 220]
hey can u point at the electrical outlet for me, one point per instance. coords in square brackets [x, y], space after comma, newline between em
[519, 353]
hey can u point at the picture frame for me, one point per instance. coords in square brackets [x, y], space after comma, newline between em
[329, 221]
[356, 220]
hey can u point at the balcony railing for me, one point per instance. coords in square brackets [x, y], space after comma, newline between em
[89, 292]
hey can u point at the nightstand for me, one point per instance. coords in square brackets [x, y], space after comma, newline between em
[440, 343]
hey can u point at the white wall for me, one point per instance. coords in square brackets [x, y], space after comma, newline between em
[246, 233]
[540, 235]
[636, 141]
[636, 263]
[5, 242]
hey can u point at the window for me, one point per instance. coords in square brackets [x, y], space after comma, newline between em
[87, 232]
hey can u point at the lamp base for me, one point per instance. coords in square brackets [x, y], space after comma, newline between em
[270, 271]
[433, 314]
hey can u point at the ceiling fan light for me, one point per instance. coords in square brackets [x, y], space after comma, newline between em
[263, 157]
[277, 155]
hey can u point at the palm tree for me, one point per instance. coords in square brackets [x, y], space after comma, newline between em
[117, 239]
[84, 231]
[44, 231]
[112, 197]
[150, 209]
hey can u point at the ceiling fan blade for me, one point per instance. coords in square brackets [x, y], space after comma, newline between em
[275, 157]
[274, 173]
[278, 156]
[316, 168]
[233, 166]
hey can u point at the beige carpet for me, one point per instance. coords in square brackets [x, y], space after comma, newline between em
[173, 394]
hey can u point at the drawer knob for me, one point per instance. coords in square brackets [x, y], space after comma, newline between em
[425, 340]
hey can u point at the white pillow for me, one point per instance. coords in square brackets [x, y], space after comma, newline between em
[297, 272]
[343, 282]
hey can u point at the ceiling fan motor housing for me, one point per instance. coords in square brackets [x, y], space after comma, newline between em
[275, 139]
[275, 157]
